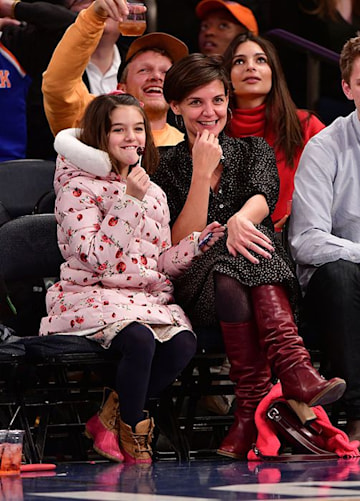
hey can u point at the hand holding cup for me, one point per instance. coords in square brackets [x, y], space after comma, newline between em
[134, 24]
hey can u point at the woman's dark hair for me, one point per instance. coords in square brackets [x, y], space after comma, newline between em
[192, 72]
[96, 125]
[281, 114]
[327, 9]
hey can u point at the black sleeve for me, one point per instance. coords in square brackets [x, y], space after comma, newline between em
[34, 42]
[45, 15]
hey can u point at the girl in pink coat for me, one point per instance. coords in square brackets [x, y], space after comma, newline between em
[115, 285]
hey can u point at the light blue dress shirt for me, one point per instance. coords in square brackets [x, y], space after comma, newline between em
[325, 218]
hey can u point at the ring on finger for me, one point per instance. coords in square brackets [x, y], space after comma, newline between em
[250, 245]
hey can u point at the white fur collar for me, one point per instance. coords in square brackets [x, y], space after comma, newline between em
[87, 158]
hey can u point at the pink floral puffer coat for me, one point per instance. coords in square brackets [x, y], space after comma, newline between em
[119, 258]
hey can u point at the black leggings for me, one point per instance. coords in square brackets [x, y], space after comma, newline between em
[147, 367]
[232, 300]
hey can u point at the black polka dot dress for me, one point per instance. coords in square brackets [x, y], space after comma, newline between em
[249, 168]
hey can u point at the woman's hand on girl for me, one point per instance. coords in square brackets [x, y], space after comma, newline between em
[243, 237]
[137, 183]
[206, 153]
[210, 234]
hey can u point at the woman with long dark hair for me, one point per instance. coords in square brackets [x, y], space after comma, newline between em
[262, 106]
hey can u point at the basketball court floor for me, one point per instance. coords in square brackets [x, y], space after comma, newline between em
[200, 479]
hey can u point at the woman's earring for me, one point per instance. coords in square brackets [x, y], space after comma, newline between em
[179, 122]
[230, 114]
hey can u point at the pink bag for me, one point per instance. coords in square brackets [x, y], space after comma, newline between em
[276, 422]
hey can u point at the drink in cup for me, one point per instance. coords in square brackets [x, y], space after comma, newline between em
[134, 24]
[11, 451]
[3, 435]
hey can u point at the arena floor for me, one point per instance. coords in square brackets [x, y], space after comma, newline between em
[199, 480]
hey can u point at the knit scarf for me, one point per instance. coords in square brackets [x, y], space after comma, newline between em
[250, 122]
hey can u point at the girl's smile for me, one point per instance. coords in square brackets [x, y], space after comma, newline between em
[126, 135]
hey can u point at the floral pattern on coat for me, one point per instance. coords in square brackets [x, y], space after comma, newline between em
[119, 261]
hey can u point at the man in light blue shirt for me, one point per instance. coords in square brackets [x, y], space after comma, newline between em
[324, 237]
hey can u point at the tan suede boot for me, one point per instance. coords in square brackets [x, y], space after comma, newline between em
[103, 428]
[135, 446]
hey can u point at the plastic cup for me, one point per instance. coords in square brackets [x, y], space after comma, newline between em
[134, 24]
[3, 435]
[11, 488]
[11, 444]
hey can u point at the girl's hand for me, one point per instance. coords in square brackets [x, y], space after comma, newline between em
[206, 153]
[210, 234]
[137, 183]
[244, 236]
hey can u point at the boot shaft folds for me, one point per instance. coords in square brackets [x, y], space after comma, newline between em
[285, 350]
[270, 341]
[252, 377]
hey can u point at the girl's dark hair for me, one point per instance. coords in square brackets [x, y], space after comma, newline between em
[281, 114]
[192, 72]
[96, 125]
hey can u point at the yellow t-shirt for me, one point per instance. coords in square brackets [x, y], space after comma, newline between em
[167, 136]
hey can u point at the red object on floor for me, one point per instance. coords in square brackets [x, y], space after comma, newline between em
[268, 443]
[37, 467]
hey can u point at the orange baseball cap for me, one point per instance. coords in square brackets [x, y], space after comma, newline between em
[240, 12]
[172, 45]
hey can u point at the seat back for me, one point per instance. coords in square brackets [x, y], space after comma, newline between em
[23, 183]
[29, 248]
[28, 254]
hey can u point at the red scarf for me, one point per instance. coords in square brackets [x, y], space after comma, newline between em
[248, 122]
[251, 122]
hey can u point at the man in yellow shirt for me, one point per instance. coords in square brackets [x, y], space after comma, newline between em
[147, 61]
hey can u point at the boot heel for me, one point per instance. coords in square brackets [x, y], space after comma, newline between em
[303, 411]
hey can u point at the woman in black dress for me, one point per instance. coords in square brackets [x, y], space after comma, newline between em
[244, 282]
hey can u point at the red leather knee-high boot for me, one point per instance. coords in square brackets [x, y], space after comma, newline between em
[285, 350]
[252, 377]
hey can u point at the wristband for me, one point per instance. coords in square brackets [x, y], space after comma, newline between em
[13, 8]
